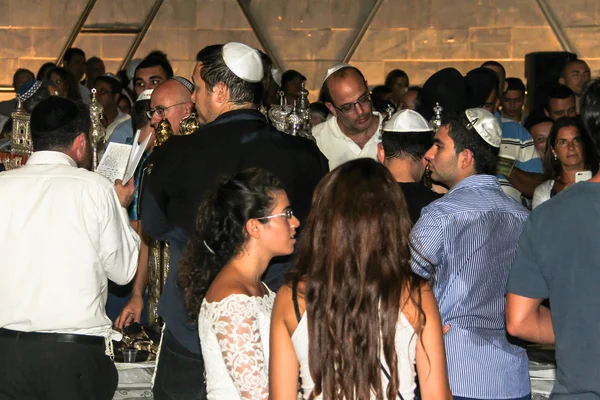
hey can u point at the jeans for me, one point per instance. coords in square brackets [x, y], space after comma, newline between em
[179, 372]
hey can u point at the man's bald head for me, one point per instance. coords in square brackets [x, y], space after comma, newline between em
[175, 100]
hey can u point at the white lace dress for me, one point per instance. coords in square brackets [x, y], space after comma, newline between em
[234, 334]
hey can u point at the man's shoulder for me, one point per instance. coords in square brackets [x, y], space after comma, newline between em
[513, 130]
[324, 127]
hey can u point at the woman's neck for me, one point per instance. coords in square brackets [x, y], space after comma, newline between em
[567, 175]
[250, 265]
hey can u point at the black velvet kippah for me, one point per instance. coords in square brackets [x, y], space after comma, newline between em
[51, 114]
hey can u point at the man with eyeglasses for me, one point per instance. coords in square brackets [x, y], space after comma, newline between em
[228, 90]
[172, 100]
[350, 133]
[108, 90]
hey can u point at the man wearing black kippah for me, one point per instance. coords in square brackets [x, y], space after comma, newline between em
[66, 232]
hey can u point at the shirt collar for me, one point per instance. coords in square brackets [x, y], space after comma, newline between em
[479, 180]
[50, 157]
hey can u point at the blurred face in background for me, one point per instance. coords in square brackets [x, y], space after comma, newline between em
[539, 133]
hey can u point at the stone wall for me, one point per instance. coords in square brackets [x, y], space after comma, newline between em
[419, 36]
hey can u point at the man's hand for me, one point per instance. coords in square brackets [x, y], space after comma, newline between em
[132, 312]
[125, 193]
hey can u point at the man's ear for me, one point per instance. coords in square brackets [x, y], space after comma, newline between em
[562, 81]
[331, 108]
[466, 159]
[220, 93]
[79, 146]
[380, 152]
[546, 113]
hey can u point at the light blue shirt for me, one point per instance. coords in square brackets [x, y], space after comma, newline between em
[465, 243]
[123, 133]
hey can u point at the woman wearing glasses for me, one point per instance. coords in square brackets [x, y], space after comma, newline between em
[240, 227]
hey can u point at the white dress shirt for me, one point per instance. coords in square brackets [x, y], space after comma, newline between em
[63, 234]
[339, 148]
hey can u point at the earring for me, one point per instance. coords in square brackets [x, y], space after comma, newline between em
[555, 158]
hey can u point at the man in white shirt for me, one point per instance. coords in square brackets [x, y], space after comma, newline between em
[65, 233]
[108, 92]
[351, 132]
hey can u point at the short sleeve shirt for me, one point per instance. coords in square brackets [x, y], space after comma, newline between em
[558, 258]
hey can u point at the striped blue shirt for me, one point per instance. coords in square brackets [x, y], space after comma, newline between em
[517, 143]
[466, 242]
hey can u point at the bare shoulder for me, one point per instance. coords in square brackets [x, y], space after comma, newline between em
[417, 302]
[224, 286]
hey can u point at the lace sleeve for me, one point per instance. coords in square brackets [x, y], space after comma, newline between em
[237, 332]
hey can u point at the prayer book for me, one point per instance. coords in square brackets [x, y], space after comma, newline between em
[121, 160]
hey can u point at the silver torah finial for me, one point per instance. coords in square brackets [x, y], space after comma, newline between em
[436, 120]
[98, 131]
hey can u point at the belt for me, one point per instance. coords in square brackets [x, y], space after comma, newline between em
[51, 337]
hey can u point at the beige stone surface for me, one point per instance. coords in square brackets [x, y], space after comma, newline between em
[176, 14]
[115, 46]
[383, 44]
[419, 36]
[438, 44]
[413, 14]
[102, 13]
[48, 42]
[202, 38]
[350, 14]
[29, 13]
[575, 13]
[310, 14]
[65, 13]
[585, 40]
[133, 12]
[16, 43]
[174, 42]
[311, 45]
[220, 14]
[33, 64]
[372, 70]
[529, 39]
[491, 43]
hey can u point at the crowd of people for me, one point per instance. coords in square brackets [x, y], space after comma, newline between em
[392, 257]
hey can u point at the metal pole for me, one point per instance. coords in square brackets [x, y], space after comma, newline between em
[140, 36]
[555, 26]
[255, 28]
[76, 30]
[362, 31]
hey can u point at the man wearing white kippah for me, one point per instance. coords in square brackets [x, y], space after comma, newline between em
[465, 243]
[228, 89]
[351, 132]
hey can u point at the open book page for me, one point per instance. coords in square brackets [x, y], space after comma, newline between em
[114, 161]
[134, 158]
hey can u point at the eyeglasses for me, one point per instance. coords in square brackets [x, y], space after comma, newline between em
[160, 111]
[289, 214]
[363, 100]
[104, 92]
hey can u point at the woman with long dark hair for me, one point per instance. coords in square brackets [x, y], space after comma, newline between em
[354, 318]
[568, 150]
[64, 83]
[240, 227]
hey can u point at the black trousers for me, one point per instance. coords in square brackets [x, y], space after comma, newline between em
[179, 372]
[32, 370]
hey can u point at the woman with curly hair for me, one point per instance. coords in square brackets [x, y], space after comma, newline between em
[64, 83]
[353, 318]
[240, 227]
